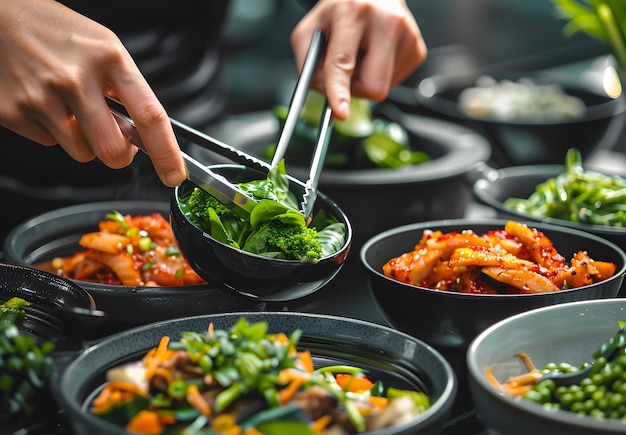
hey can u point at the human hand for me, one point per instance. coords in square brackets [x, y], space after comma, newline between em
[371, 46]
[55, 68]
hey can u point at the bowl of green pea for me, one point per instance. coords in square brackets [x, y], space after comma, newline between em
[568, 194]
[526, 347]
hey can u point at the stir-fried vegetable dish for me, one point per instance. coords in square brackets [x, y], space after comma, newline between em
[514, 260]
[522, 100]
[247, 381]
[601, 394]
[577, 195]
[361, 142]
[127, 250]
[276, 228]
[25, 364]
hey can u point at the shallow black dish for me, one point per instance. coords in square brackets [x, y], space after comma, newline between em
[391, 356]
[251, 275]
[496, 186]
[438, 189]
[522, 143]
[449, 320]
[56, 233]
[48, 295]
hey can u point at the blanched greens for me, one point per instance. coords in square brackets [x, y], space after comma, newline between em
[276, 228]
[577, 195]
[25, 364]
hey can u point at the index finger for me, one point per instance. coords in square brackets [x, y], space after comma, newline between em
[340, 63]
[155, 129]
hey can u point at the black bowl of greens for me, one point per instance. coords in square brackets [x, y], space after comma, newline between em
[276, 255]
[411, 168]
[392, 360]
[567, 194]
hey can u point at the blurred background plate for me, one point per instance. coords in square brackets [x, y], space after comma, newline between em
[522, 142]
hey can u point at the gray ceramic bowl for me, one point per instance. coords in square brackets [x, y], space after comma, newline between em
[450, 320]
[568, 332]
[56, 233]
[523, 142]
[391, 356]
[438, 189]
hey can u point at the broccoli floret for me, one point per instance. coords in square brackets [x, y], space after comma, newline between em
[199, 203]
[291, 242]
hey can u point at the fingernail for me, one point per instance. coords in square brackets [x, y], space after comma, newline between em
[174, 178]
[344, 109]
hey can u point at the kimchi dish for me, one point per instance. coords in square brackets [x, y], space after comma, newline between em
[127, 250]
[516, 259]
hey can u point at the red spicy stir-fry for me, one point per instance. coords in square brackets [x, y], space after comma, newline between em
[128, 250]
[514, 260]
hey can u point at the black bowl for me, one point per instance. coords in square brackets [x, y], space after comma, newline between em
[438, 189]
[56, 233]
[450, 320]
[560, 333]
[52, 301]
[523, 143]
[393, 357]
[252, 275]
[48, 295]
[495, 186]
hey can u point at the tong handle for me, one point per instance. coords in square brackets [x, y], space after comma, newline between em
[299, 96]
[192, 135]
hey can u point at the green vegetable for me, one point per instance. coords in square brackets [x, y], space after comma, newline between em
[25, 368]
[12, 312]
[276, 228]
[601, 19]
[360, 142]
[577, 195]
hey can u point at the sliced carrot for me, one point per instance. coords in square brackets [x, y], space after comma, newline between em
[378, 401]
[226, 424]
[353, 383]
[145, 422]
[321, 423]
[307, 361]
[287, 393]
[195, 399]
[159, 356]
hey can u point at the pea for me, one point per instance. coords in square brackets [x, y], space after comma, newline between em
[589, 405]
[577, 407]
[590, 389]
[566, 400]
[597, 413]
[597, 378]
[534, 396]
[616, 400]
[597, 395]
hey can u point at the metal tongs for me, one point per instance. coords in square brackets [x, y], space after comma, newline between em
[218, 185]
